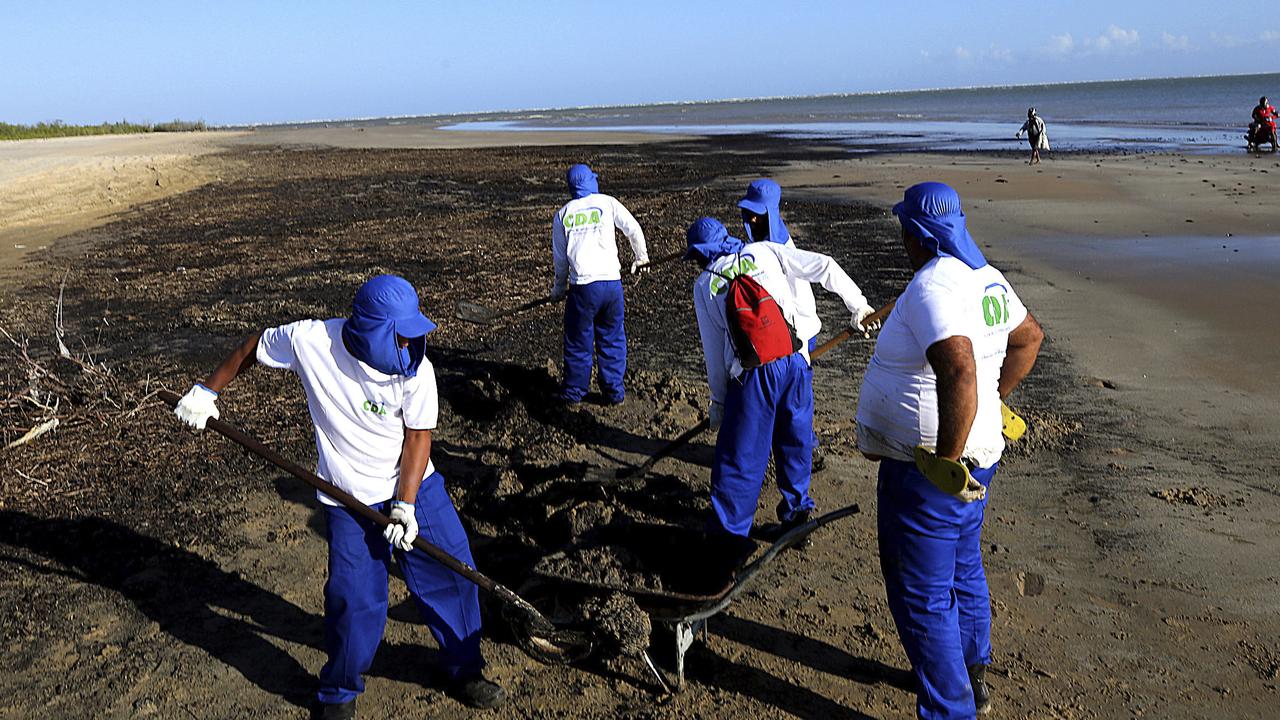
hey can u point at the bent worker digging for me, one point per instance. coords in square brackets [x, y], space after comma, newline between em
[372, 396]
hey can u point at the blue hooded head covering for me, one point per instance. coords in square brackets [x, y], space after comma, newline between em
[582, 182]
[762, 198]
[385, 307]
[707, 240]
[931, 211]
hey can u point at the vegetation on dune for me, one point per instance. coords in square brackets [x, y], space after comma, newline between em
[59, 129]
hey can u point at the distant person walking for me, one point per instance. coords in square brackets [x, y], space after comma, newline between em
[1036, 135]
[585, 254]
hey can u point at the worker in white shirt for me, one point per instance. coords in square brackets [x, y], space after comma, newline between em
[585, 254]
[762, 221]
[372, 396]
[760, 403]
[958, 341]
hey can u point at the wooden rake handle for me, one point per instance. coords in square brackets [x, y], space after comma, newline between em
[349, 501]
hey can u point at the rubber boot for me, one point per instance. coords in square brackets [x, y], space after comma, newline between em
[981, 693]
[334, 711]
[478, 692]
[773, 531]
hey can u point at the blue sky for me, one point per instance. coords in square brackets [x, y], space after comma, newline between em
[258, 62]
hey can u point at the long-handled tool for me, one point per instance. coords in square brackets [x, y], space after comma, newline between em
[607, 476]
[473, 312]
[547, 642]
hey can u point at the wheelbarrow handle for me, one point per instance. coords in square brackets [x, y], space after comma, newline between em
[349, 501]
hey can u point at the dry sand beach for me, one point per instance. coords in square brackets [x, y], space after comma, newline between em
[1131, 543]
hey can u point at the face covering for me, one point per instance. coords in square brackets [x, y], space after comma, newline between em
[707, 240]
[762, 198]
[385, 307]
[931, 212]
[582, 182]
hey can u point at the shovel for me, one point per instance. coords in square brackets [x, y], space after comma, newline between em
[546, 642]
[473, 312]
[606, 476]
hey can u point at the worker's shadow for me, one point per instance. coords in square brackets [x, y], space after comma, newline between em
[710, 668]
[195, 601]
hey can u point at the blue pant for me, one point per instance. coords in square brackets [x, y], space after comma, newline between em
[813, 343]
[931, 558]
[355, 597]
[593, 327]
[770, 408]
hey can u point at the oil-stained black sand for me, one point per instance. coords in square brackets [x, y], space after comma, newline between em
[146, 571]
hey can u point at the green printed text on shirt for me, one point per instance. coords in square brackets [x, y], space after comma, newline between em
[742, 265]
[582, 218]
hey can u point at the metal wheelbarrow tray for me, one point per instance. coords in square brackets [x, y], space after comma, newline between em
[701, 574]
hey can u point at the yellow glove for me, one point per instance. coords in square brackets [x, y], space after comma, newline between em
[949, 476]
[1012, 426]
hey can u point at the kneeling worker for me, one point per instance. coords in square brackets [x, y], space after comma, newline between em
[758, 369]
[372, 396]
[958, 340]
[585, 254]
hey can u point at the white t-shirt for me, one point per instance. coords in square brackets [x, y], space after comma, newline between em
[583, 247]
[898, 405]
[775, 267]
[359, 413]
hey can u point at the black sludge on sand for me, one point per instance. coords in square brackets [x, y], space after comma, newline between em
[166, 290]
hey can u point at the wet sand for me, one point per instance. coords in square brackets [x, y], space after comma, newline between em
[1157, 273]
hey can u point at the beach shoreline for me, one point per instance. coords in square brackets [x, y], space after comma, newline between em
[1123, 536]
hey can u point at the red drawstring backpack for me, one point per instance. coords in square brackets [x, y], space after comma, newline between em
[757, 327]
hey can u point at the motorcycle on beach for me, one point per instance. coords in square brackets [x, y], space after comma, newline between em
[1259, 134]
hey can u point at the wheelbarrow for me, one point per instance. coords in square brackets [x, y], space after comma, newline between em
[699, 574]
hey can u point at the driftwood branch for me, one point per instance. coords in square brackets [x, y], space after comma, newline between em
[34, 433]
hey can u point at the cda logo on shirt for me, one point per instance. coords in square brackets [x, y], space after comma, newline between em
[743, 265]
[582, 218]
[995, 310]
[375, 407]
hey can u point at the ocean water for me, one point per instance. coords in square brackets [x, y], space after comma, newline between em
[1207, 114]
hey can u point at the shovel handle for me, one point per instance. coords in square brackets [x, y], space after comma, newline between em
[877, 316]
[662, 260]
[671, 447]
[349, 501]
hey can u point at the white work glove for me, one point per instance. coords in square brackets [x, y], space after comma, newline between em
[639, 265]
[197, 406]
[403, 529]
[716, 414]
[558, 292]
[862, 314]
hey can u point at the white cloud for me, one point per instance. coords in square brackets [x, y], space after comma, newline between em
[1061, 44]
[963, 53]
[1114, 39]
[1269, 36]
[1175, 42]
[1227, 41]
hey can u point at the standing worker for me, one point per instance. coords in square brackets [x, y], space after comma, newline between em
[762, 221]
[957, 342]
[1037, 135]
[758, 370]
[585, 253]
[372, 396]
